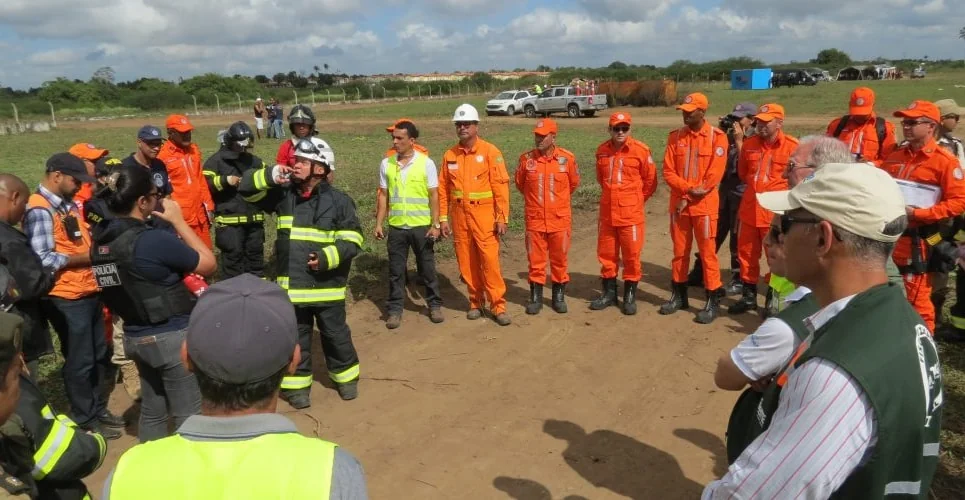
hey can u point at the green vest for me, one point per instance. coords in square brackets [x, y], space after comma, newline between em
[409, 199]
[270, 466]
[746, 419]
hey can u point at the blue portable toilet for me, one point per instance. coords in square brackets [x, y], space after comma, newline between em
[750, 79]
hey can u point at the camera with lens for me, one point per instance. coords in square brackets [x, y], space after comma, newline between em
[726, 123]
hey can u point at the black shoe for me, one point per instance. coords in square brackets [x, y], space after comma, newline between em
[535, 303]
[712, 309]
[297, 399]
[348, 391]
[608, 297]
[735, 287]
[696, 276]
[110, 420]
[629, 298]
[678, 299]
[747, 302]
[559, 297]
[107, 432]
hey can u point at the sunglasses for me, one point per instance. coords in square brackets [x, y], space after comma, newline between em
[464, 124]
[950, 117]
[621, 129]
[793, 165]
[912, 123]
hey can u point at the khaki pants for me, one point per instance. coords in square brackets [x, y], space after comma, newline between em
[119, 358]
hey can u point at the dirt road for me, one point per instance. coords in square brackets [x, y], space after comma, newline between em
[590, 405]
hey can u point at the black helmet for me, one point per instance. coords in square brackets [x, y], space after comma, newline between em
[301, 114]
[238, 133]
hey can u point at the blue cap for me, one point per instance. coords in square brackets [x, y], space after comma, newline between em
[744, 109]
[149, 133]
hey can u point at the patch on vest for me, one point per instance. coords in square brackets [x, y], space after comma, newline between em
[562, 160]
[452, 165]
[719, 151]
[159, 180]
[479, 158]
[931, 372]
[103, 249]
[107, 275]
[958, 174]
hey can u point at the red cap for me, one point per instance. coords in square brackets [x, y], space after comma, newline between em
[920, 109]
[179, 123]
[391, 128]
[620, 117]
[545, 126]
[694, 101]
[862, 102]
[86, 151]
[769, 112]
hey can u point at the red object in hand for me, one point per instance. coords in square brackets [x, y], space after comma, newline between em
[196, 284]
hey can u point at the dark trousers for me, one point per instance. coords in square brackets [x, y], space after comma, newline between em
[80, 327]
[957, 311]
[340, 356]
[242, 249]
[727, 225]
[399, 243]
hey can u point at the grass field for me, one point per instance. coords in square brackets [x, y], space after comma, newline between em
[357, 134]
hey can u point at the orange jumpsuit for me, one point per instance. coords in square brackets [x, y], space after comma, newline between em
[695, 159]
[190, 187]
[627, 178]
[761, 167]
[934, 166]
[546, 183]
[863, 139]
[473, 197]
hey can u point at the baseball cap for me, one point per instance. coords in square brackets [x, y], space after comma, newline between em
[87, 151]
[857, 197]
[949, 107]
[744, 109]
[258, 99]
[862, 101]
[920, 109]
[242, 330]
[179, 123]
[11, 337]
[769, 112]
[694, 101]
[620, 117]
[545, 126]
[398, 122]
[105, 166]
[149, 133]
[69, 164]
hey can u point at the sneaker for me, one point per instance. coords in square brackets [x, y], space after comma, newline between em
[435, 315]
[110, 420]
[394, 321]
[502, 319]
[474, 314]
[131, 380]
[106, 432]
[348, 391]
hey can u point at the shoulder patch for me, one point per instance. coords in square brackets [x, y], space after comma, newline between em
[719, 151]
[958, 174]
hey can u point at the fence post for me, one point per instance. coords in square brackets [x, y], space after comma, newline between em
[195, 99]
[53, 117]
[313, 96]
[240, 110]
[296, 96]
[344, 96]
[217, 101]
[16, 116]
[407, 96]
[328, 95]
[358, 95]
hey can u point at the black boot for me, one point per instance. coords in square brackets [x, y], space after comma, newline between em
[678, 299]
[608, 297]
[559, 304]
[712, 309]
[747, 302]
[629, 298]
[535, 304]
[696, 276]
[735, 287]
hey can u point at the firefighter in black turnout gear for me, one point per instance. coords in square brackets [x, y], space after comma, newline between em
[318, 236]
[239, 224]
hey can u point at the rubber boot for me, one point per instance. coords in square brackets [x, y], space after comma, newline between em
[712, 309]
[696, 276]
[608, 297]
[348, 391]
[678, 299]
[735, 287]
[629, 298]
[747, 302]
[298, 399]
[535, 298]
[559, 304]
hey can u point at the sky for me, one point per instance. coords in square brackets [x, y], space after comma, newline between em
[43, 39]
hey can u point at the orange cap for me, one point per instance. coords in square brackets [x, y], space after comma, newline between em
[620, 117]
[179, 123]
[87, 151]
[769, 112]
[391, 128]
[862, 101]
[920, 109]
[694, 101]
[545, 126]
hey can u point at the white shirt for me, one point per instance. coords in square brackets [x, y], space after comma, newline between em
[769, 348]
[823, 429]
[432, 176]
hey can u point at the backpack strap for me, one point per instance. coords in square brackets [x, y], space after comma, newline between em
[841, 124]
[880, 129]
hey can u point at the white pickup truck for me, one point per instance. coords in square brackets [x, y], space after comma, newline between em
[564, 100]
[508, 102]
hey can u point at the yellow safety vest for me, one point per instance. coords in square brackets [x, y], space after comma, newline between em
[783, 287]
[271, 466]
[408, 199]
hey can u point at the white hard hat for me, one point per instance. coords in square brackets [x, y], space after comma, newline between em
[305, 148]
[325, 151]
[465, 113]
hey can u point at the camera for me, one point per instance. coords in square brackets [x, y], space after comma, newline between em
[726, 123]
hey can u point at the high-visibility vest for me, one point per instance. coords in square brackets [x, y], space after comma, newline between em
[408, 198]
[74, 283]
[270, 466]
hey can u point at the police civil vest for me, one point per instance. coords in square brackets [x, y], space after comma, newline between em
[409, 193]
[137, 300]
[285, 465]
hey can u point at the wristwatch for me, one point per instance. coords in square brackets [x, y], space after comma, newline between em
[437, 225]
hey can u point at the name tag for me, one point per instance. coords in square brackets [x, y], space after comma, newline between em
[452, 165]
[107, 275]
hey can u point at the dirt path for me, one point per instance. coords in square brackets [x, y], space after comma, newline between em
[588, 405]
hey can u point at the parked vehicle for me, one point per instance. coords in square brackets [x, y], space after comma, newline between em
[791, 78]
[507, 103]
[918, 72]
[564, 99]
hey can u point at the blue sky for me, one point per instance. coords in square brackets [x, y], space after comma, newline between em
[43, 39]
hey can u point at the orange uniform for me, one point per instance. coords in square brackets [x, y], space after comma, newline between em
[190, 189]
[691, 160]
[862, 138]
[546, 182]
[417, 147]
[473, 197]
[761, 167]
[628, 178]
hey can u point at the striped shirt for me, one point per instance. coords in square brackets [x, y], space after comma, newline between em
[38, 225]
[823, 429]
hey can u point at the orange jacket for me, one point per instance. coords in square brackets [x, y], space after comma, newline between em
[72, 283]
[863, 138]
[761, 167]
[189, 185]
[695, 159]
[477, 175]
[418, 147]
[628, 178]
[546, 183]
[935, 166]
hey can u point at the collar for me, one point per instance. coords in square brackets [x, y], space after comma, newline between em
[537, 154]
[796, 295]
[704, 130]
[948, 138]
[815, 321]
[205, 428]
[781, 136]
[410, 162]
[928, 149]
[471, 150]
[55, 201]
[625, 147]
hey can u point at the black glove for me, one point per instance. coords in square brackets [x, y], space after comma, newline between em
[943, 258]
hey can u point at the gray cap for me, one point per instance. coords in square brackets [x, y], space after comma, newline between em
[149, 133]
[242, 330]
[744, 109]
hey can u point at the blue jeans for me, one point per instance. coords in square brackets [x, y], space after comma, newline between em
[80, 327]
[277, 127]
[166, 386]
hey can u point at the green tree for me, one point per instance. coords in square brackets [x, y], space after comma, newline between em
[262, 79]
[104, 74]
[617, 65]
[280, 78]
[832, 57]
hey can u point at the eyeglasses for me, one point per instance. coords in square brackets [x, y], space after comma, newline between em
[951, 117]
[464, 124]
[792, 165]
[153, 194]
[912, 123]
[621, 129]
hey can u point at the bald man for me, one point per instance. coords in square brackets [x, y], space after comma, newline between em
[33, 281]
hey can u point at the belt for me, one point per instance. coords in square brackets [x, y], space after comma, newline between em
[465, 201]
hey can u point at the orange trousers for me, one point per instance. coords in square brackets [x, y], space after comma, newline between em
[539, 246]
[750, 244]
[616, 243]
[477, 251]
[203, 230]
[917, 286]
[683, 230]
